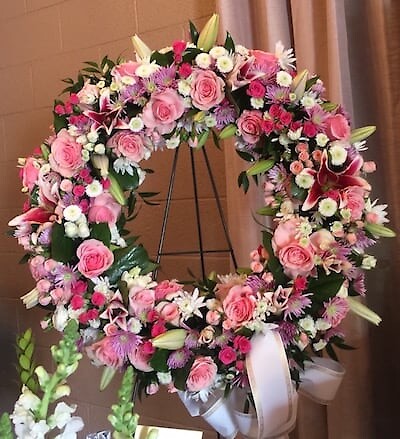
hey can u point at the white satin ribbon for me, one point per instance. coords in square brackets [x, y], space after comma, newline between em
[321, 379]
[274, 395]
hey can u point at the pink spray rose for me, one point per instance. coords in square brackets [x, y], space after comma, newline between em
[129, 145]
[125, 69]
[162, 111]
[337, 127]
[207, 89]
[105, 352]
[285, 233]
[140, 359]
[202, 374]
[94, 258]
[104, 209]
[167, 287]
[88, 95]
[227, 355]
[169, 312]
[66, 154]
[238, 306]
[36, 266]
[250, 125]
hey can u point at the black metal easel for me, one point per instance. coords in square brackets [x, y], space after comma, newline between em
[200, 251]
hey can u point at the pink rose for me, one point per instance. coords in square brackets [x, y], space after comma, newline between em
[207, 89]
[213, 317]
[239, 305]
[250, 125]
[353, 198]
[88, 95]
[169, 312]
[202, 374]
[140, 300]
[94, 258]
[36, 267]
[128, 145]
[139, 359]
[104, 209]
[166, 287]
[30, 173]
[296, 260]
[162, 111]
[322, 240]
[66, 155]
[285, 233]
[227, 355]
[337, 127]
[256, 89]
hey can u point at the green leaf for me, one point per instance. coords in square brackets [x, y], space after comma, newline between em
[62, 248]
[126, 181]
[298, 192]
[325, 286]
[261, 166]
[92, 63]
[243, 180]
[190, 54]
[101, 232]
[6, 427]
[162, 59]
[59, 122]
[125, 259]
[29, 351]
[331, 352]
[267, 211]
[245, 156]
[194, 34]
[311, 82]
[24, 362]
[159, 360]
[229, 43]
[24, 258]
[180, 377]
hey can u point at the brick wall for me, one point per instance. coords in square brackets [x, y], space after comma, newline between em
[43, 41]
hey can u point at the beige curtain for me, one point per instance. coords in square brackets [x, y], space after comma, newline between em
[354, 46]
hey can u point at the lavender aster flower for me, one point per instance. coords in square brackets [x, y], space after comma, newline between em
[257, 284]
[164, 77]
[45, 237]
[124, 342]
[278, 176]
[296, 305]
[287, 331]
[224, 114]
[64, 276]
[277, 95]
[179, 358]
[363, 241]
[192, 340]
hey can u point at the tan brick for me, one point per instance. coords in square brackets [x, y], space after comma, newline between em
[30, 37]
[33, 5]
[16, 89]
[3, 152]
[163, 37]
[169, 13]
[10, 195]
[98, 21]
[48, 73]
[12, 9]
[25, 131]
[16, 278]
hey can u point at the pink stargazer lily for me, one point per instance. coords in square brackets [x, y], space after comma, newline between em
[107, 116]
[35, 215]
[325, 179]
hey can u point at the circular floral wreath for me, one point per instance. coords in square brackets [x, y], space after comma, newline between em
[83, 182]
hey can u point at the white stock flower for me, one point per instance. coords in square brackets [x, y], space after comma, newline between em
[164, 377]
[322, 325]
[71, 230]
[60, 318]
[72, 212]
[308, 101]
[94, 189]
[83, 230]
[257, 103]
[92, 136]
[308, 324]
[173, 142]
[146, 69]
[100, 148]
[368, 262]
[134, 325]
[320, 345]
[284, 79]
[327, 207]
[184, 87]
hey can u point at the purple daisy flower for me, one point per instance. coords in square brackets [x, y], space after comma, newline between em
[277, 95]
[179, 358]
[192, 340]
[296, 305]
[278, 176]
[64, 276]
[124, 342]
[164, 77]
[359, 282]
[45, 237]
[287, 331]
[224, 114]
[257, 284]
[363, 241]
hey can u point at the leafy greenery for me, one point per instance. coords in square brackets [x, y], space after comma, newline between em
[6, 427]
[26, 364]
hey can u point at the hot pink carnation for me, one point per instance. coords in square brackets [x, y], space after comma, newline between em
[128, 145]
[202, 374]
[104, 209]
[353, 198]
[30, 173]
[162, 111]
[94, 258]
[66, 154]
[207, 89]
[227, 355]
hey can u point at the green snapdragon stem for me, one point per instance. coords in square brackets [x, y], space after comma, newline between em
[50, 387]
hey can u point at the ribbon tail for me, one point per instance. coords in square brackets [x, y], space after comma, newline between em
[216, 412]
[321, 379]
